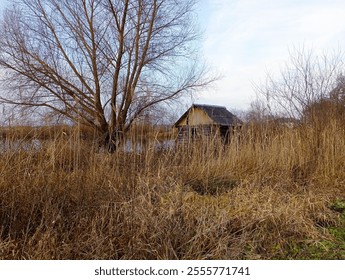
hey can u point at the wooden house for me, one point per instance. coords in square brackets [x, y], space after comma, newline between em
[206, 121]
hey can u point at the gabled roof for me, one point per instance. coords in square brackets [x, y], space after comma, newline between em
[220, 115]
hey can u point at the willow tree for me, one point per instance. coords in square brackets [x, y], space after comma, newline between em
[102, 63]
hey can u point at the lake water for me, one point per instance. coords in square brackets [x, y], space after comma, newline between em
[36, 144]
[33, 144]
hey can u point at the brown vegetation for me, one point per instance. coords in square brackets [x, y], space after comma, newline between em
[262, 198]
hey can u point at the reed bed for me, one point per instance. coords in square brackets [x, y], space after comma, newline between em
[266, 195]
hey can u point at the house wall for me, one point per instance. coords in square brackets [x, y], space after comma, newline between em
[192, 133]
[196, 117]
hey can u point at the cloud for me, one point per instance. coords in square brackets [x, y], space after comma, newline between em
[245, 38]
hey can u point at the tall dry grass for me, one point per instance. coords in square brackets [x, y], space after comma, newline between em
[271, 188]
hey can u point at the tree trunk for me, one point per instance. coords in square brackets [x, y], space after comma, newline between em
[110, 139]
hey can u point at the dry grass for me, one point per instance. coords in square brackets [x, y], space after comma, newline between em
[68, 200]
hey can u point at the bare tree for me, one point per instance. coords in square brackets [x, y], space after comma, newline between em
[258, 111]
[99, 62]
[305, 79]
[324, 110]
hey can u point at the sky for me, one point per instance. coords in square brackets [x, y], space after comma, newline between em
[245, 39]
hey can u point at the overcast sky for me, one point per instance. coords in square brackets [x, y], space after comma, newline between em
[244, 39]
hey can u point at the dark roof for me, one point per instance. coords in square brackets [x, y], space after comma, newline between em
[286, 120]
[220, 115]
